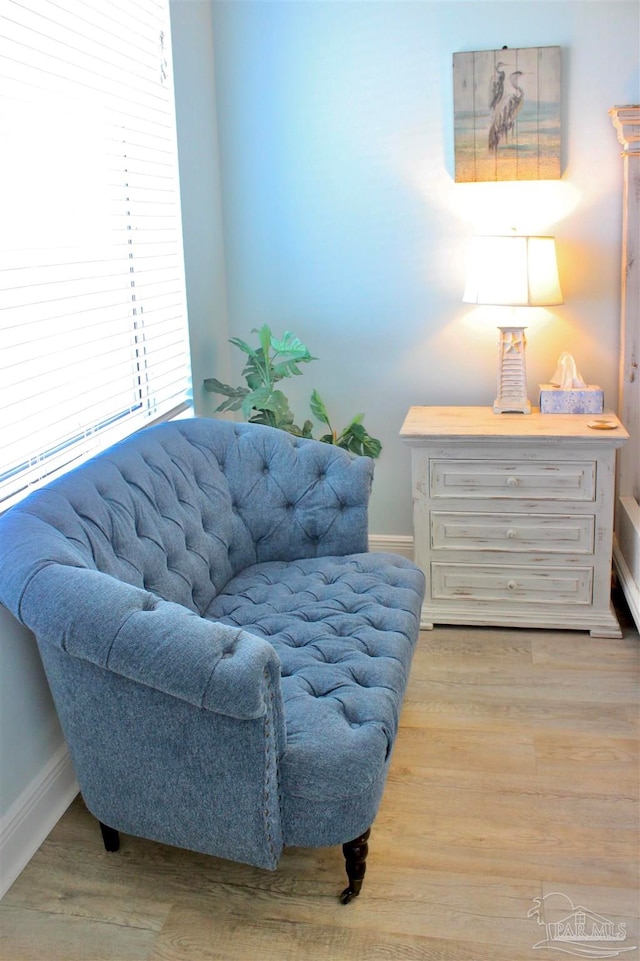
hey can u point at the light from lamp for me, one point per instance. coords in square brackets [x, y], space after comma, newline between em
[513, 271]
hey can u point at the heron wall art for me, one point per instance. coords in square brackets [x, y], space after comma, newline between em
[507, 114]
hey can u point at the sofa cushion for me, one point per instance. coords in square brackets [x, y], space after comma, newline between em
[344, 630]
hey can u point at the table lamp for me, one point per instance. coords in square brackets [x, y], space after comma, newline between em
[512, 271]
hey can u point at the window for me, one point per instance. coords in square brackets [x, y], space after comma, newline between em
[93, 340]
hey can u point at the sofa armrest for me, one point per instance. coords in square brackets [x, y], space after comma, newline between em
[156, 643]
[175, 724]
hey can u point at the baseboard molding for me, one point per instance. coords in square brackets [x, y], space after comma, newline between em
[630, 589]
[392, 544]
[34, 814]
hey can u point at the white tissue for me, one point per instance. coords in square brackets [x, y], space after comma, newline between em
[567, 375]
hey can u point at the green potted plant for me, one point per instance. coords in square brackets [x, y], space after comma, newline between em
[262, 402]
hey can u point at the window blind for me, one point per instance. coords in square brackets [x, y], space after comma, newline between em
[93, 340]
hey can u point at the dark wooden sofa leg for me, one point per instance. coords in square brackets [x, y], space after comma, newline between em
[110, 837]
[355, 855]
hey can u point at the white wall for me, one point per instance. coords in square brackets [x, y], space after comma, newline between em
[343, 223]
[36, 780]
[195, 91]
[29, 730]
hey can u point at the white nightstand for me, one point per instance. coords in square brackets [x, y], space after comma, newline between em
[513, 517]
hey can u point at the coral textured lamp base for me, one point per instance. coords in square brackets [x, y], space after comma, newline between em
[512, 375]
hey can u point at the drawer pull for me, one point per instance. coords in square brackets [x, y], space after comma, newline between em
[511, 534]
[511, 585]
[512, 481]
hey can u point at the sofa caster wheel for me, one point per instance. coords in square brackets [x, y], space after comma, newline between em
[355, 856]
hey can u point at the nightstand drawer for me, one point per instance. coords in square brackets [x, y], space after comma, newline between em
[538, 480]
[549, 585]
[551, 533]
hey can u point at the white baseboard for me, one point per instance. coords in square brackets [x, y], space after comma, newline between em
[629, 586]
[392, 544]
[34, 814]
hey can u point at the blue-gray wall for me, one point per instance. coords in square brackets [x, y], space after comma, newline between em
[342, 222]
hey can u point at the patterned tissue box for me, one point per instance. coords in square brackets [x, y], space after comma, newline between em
[574, 400]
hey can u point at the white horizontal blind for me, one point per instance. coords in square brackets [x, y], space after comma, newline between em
[92, 305]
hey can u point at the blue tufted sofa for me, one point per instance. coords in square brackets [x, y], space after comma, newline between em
[227, 660]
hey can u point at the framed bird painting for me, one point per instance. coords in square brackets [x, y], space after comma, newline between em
[507, 114]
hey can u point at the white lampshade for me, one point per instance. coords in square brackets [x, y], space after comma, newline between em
[513, 271]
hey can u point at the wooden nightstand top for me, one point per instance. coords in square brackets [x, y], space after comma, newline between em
[480, 423]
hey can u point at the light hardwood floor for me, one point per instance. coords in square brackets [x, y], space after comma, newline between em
[515, 776]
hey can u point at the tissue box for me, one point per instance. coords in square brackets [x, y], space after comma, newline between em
[575, 400]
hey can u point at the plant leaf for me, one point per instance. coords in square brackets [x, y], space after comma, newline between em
[291, 352]
[292, 346]
[215, 386]
[243, 346]
[262, 417]
[371, 446]
[286, 368]
[356, 439]
[229, 404]
[265, 337]
[318, 408]
[273, 401]
[254, 376]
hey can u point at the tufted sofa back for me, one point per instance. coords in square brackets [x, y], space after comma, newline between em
[180, 508]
